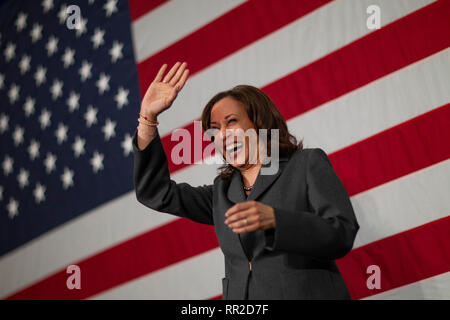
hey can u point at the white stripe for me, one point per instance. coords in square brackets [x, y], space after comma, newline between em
[281, 53]
[97, 230]
[173, 21]
[382, 104]
[397, 206]
[436, 288]
[195, 278]
[403, 204]
[123, 218]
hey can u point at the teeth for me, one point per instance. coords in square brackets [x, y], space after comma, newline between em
[231, 148]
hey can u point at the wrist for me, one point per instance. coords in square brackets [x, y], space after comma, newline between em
[150, 116]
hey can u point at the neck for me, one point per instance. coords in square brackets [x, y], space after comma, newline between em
[250, 174]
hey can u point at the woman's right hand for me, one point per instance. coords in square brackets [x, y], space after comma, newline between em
[161, 94]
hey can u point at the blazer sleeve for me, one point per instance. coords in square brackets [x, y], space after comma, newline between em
[329, 230]
[156, 190]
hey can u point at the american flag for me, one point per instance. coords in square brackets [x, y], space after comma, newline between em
[376, 100]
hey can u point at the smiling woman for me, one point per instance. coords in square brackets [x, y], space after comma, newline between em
[281, 232]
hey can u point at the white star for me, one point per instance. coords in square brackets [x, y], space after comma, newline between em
[110, 7]
[28, 107]
[90, 116]
[62, 13]
[127, 144]
[91, 1]
[67, 178]
[18, 135]
[4, 123]
[10, 51]
[49, 162]
[33, 149]
[23, 178]
[56, 89]
[52, 45]
[97, 162]
[39, 76]
[24, 64]
[7, 165]
[97, 38]
[116, 51]
[109, 129]
[36, 32]
[68, 57]
[12, 207]
[85, 70]
[121, 98]
[21, 21]
[47, 4]
[13, 93]
[44, 118]
[103, 83]
[61, 133]
[2, 79]
[78, 146]
[72, 101]
[81, 27]
[39, 193]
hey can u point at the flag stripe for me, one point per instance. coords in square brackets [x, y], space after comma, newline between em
[282, 55]
[131, 259]
[404, 258]
[399, 44]
[399, 205]
[115, 216]
[389, 205]
[431, 288]
[139, 8]
[315, 81]
[435, 121]
[167, 281]
[224, 36]
[376, 105]
[175, 20]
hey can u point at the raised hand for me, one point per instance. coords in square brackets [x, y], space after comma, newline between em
[162, 92]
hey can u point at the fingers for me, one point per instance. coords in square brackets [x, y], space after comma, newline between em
[160, 73]
[172, 71]
[239, 206]
[178, 74]
[180, 84]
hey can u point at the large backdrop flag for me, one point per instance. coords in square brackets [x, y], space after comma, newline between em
[376, 100]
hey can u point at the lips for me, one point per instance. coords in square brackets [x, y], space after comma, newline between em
[234, 148]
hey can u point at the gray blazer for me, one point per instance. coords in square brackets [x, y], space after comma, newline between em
[315, 223]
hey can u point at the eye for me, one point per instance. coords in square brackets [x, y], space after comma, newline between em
[231, 121]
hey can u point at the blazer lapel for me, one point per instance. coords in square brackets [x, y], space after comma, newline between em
[265, 181]
[235, 189]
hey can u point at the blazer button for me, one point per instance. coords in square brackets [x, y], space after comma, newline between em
[250, 266]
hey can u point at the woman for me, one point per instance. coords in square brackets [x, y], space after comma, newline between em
[280, 233]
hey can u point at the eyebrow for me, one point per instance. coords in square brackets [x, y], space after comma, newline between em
[226, 117]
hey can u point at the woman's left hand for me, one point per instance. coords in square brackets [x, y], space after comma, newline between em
[250, 216]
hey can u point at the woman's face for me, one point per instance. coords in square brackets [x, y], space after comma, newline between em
[236, 138]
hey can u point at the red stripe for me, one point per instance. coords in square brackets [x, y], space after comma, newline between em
[133, 258]
[404, 258]
[140, 7]
[225, 35]
[151, 251]
[407, 40]
[403, 42]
